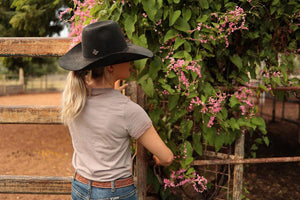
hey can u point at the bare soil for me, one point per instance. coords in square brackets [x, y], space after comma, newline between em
[46, 150]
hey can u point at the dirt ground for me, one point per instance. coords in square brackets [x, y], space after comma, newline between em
[46, 150]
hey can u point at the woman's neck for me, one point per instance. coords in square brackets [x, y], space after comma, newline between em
[100, 83]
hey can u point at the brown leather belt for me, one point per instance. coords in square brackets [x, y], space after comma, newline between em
[117, 183]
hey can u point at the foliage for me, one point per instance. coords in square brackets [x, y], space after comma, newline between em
[207, 55]
[31, 18]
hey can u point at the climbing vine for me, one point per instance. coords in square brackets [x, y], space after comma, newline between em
[208, 58]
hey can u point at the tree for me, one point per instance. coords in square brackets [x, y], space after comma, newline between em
[31, 18]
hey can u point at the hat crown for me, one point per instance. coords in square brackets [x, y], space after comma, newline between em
[102, 38]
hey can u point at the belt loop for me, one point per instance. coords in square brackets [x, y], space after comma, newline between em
[90, 189]
[113, 186]
[74, 175]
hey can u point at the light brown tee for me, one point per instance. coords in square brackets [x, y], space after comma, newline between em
[101, 135]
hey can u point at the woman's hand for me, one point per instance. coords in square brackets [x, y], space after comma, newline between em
[156, 160]
[118, 86]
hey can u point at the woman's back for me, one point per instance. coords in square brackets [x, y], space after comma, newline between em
[101, 135]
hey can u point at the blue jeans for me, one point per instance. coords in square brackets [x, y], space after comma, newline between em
[81, 191]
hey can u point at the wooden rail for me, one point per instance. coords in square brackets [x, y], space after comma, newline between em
[33, 46]
[30, 115]
[35, 185]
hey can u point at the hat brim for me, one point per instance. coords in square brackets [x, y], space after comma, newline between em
[73, 60]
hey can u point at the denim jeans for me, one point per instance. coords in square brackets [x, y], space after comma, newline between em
[81, 191]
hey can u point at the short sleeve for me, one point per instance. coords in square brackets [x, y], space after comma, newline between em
[137, 120]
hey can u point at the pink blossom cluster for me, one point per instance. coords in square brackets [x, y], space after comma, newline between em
[213, 106]
[82, 10]
[179, 178]
[179, 66]
[232, 21]
[228, 23]
[247, 107]
[275, 74]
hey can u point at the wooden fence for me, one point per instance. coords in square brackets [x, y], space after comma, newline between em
[43, 47]
[51, 47]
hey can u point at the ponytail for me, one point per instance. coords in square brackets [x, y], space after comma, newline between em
[74, 96]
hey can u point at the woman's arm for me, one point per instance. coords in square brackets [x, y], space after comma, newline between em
[151, 141]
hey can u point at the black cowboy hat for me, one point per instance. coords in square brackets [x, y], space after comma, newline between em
[103, 44]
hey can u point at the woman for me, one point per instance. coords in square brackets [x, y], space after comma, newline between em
[101, 120]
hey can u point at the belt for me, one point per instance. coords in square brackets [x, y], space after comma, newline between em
[119, 183]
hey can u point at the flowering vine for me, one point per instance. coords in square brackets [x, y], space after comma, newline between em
[205, 56]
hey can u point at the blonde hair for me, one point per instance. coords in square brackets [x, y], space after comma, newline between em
[76, 91]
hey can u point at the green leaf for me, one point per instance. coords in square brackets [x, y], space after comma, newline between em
[160, 3]
[258, 121]
[150, 8]
[148, 87]
[170, 35]
[185, 163]
[204, 4]
[174, 16]
[219, 142]
[183, 54]
[235, 59]
[208, 47]
[233, 101]
[185, 127]
[129, 24]
[190, 171]
[182, 25]
[154, 67]
[187, 46]
[258, 140]
[141, 40]
[155, 115]
[197, 144]
[176, 114]
[188, 147]
[179, 54]
[166, 13]
[186, 13]
[266, 140]
[140, 64]
[233, 124]
[173, 101]
[263, 87]
[254, 147]
[168, 88]
[178, 42]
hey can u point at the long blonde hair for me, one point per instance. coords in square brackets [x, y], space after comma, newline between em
[76, 91]
[74, 96]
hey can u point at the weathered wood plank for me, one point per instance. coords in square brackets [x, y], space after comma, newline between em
[35, 185]
[141, 157]
[246, 161]
[34, 46]
[30, 114]
[238, 169]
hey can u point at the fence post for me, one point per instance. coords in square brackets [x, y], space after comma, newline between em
[141, 161]
[238, 169]
[4, 84]
[21, 78]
